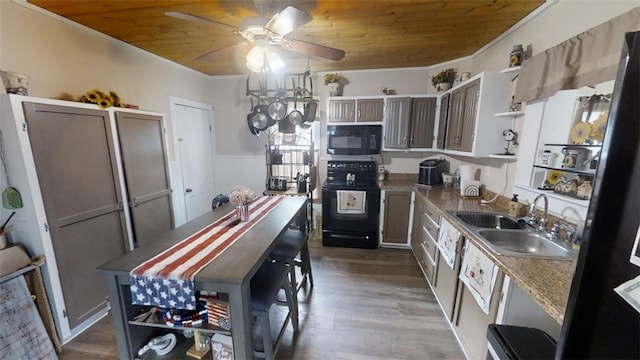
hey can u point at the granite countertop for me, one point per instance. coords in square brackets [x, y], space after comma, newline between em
[546, 281]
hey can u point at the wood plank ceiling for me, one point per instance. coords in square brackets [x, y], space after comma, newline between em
[373, 33]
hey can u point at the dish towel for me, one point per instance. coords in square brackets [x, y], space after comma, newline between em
[166, 280]
[448, 242]
[479, 274]
[351, 202]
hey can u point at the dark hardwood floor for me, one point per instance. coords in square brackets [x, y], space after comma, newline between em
[365, 304]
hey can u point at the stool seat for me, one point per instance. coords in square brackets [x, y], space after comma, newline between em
[289, 244]
[265, 285]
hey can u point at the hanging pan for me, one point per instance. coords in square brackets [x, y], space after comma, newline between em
[295, 116]
[11, 198]
[260, 118]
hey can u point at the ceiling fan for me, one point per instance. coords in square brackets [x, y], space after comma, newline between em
[266, 33]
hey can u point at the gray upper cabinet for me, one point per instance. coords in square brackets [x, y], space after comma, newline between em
[442, 121]
[409, 122]
[370, 110]
[349, 110]
[462, 115]
[471, 127]
[423, 115]
[342, 110]
[397, 123]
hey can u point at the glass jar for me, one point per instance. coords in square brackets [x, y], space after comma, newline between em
[515, 58]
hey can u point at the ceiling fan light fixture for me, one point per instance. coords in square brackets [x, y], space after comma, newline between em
[262, 59]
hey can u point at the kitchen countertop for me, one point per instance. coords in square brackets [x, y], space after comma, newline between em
[546, 281]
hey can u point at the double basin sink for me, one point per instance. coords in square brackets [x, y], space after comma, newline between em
[506, 236]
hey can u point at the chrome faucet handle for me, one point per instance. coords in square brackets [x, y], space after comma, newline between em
[555, 230]
[570, 232]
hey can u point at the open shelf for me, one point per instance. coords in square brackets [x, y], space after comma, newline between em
[511, 70]
[569, 170]
[575, 145]
[502, 156]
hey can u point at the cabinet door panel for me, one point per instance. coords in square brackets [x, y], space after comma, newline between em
[471, 93]
[442, 121]
[370, 110]
[471, 322]
[423, 113]
[454, 122]
[396, 131]
[147, 175]
[342, 110]
[397, 205]
[77, 171]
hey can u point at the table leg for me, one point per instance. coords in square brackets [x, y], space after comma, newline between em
[240, 315]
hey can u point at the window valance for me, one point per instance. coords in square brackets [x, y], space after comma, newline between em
[586, 59]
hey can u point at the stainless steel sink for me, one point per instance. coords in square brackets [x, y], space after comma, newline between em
[487, 220]
[524, 243]
[505, 236]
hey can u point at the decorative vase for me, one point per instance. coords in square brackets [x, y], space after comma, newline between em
[334, 89]
[242, 212]
[443, 86]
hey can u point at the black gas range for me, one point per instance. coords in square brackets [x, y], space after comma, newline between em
[351, 205]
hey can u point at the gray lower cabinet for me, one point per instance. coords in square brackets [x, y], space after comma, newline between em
[446, 283]
[396, 210]
[77, 168]
[424, 236]
[470, 321]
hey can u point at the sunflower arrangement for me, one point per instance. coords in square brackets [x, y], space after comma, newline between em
[332, 78]
[552, 179]
[598, 126]
[102, 99]
[580, 132]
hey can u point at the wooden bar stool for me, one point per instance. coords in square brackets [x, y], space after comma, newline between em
[265, 286]
[288, 245]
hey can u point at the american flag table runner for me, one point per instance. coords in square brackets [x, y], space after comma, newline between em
[166, 280]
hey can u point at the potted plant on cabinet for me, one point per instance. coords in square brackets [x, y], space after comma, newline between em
[443, 80]
[333, 81]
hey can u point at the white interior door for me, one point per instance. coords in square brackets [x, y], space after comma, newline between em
[193, 133]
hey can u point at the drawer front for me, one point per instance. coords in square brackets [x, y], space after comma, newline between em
[429, 244]
[424, 259]
[431, 228]
[432, 213]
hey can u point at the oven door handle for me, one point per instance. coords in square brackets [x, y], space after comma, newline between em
[348, 236]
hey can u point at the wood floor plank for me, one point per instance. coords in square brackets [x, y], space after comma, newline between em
[364, 305]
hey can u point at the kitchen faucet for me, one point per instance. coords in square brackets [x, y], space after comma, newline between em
[542, 222]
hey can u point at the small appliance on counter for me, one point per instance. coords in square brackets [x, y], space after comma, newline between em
[431, 171]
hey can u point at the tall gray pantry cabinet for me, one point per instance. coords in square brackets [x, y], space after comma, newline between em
[94, 184]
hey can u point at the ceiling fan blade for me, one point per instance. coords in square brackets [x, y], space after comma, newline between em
[217, 53]
[314, 49]
[287, 20]
[198, 19]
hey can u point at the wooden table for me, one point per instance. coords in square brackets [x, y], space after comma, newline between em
[229, 273]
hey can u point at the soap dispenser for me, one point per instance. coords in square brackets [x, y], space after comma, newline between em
[514, 206]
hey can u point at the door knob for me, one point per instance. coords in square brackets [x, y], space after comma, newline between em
[188, 190]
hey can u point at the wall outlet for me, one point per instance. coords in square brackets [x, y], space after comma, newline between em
[487, 171]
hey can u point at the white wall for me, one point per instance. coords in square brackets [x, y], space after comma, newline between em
[59, 57]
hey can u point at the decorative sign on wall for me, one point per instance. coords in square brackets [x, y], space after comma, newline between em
[22, 335]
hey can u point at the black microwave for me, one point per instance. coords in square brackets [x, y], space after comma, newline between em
[354, 139]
